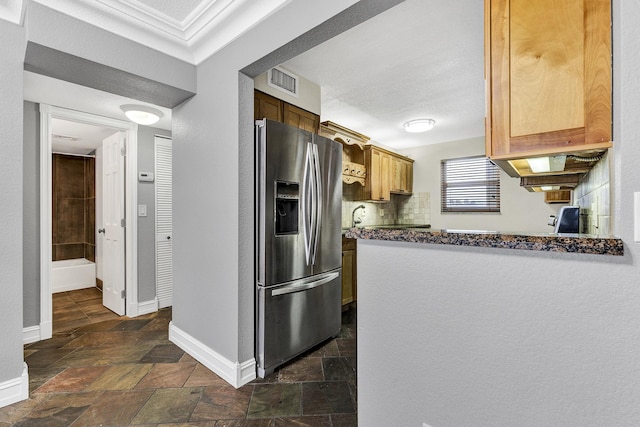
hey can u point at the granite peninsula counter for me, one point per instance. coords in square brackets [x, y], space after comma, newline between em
[574, 243]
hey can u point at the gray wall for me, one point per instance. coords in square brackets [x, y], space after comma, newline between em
[58, 31]
[496, 337]
[147, 225]
[213, 192]
[12, 51]
[31, 215]
[61, 32]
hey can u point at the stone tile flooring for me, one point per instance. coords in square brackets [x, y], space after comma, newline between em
[122, 371]
[74, 309]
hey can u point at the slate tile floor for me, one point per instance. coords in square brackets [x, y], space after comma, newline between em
[119, 371]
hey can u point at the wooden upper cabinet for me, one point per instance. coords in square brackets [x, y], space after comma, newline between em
[401, 175]
[378, 183]
[300, 118]
[270, 107]
[267, 107]
[548, 71]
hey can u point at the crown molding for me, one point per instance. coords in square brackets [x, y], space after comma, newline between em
[13, 11]
[212, 25]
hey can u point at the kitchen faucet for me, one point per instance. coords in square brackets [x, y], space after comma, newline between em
[353, 218]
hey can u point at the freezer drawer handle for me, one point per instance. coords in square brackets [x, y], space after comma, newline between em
[297, 286]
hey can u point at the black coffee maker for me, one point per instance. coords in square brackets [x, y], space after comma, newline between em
[567, 221]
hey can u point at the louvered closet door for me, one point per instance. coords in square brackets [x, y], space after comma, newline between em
[164, 266]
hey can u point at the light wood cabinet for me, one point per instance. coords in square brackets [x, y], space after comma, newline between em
[380, 172]
[559, 196]
[378, 183]
[387, 173]
[353, 168]
[548, 71]
[269, 107]
[349, 270]
[401, 175]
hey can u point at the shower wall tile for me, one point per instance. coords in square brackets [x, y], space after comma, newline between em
[69, 178]
[90, 221]
[90, 252]
[89, 175]
[73, 207]
[70, 220]
[69, 251]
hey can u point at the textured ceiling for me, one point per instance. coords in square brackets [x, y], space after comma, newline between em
[418, 59]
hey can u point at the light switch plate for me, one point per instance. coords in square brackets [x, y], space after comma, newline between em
[636, 217]
[142, 210]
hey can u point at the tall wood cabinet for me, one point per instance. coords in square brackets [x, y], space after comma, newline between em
[270, 107]
[548, 71]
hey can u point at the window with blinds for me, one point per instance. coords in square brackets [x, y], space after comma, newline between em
[470, 184]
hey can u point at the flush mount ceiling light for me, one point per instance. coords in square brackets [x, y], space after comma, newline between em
[141, 114]
[547, 164]
[419, 125]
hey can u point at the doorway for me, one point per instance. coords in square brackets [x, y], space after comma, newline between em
[126, 134]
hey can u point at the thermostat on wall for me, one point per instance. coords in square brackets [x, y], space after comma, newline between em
[145, 176]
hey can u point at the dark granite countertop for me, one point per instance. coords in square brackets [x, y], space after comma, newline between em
[575, 243]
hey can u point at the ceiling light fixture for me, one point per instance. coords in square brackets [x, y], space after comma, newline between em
[419, 125]
[141, 114]
[547, 164]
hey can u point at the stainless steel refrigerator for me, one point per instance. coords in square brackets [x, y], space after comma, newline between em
[298, 242]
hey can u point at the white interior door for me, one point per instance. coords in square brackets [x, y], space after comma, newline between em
[164, 246]
[113, 286]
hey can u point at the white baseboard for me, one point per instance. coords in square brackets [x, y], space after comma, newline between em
[46, 330]
[30, 334]
[40, 332]
[235, 373]
[135, 309]
[147, 307]
[16, 389]
[71, 287]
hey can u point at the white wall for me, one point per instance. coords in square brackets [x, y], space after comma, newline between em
[520, 209]
[498, 337]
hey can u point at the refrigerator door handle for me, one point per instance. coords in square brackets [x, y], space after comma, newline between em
[317, 201]
[304, 284]
[307, 203]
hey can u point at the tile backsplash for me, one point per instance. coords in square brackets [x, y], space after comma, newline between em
[593, 197]
[412, 209]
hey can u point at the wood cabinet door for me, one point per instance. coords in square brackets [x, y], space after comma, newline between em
[410, 177]
[267, 107]
[396, 175]
[549, 76]
[300, 118]
[348, 276]
[401, 176]
[379, 175]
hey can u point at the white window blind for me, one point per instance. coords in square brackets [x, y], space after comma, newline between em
[470, 184]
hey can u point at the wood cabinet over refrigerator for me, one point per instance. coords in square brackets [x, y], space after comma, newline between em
[548, 71]
[266, 106]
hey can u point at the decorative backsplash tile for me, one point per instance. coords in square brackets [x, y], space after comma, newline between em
[593, 195]
[412, 209]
